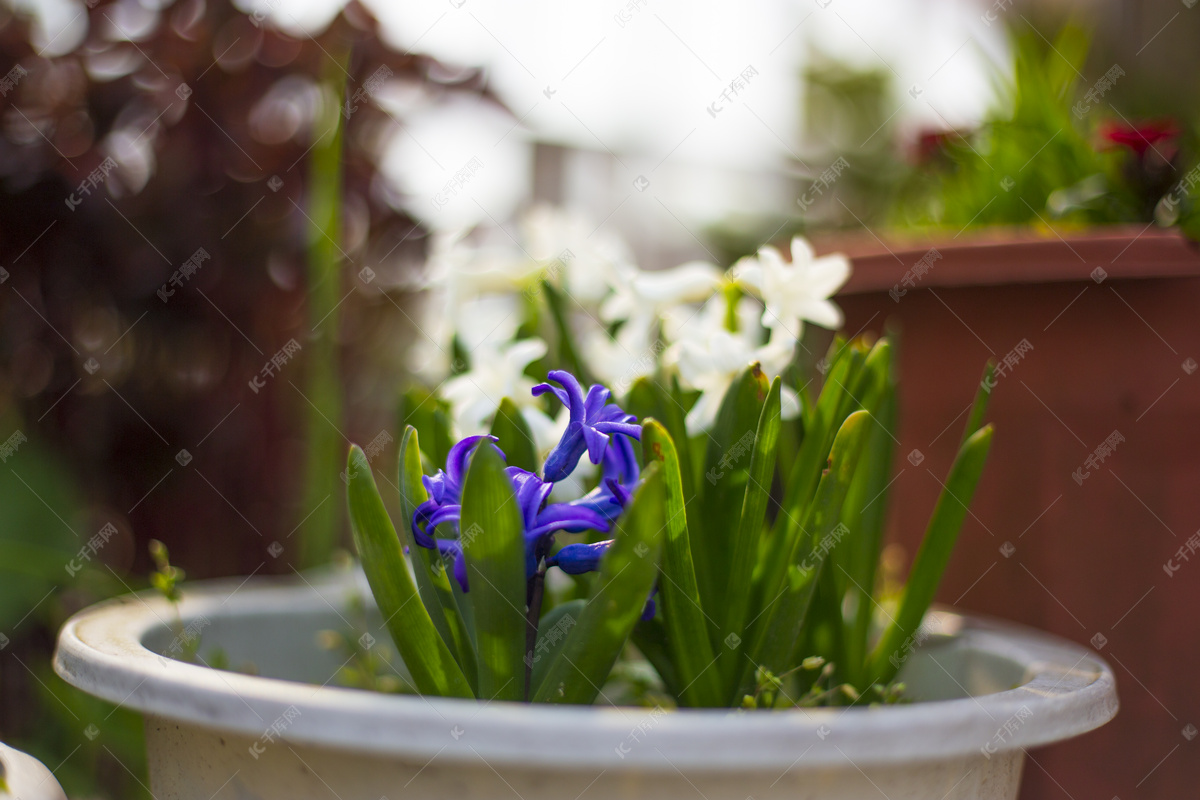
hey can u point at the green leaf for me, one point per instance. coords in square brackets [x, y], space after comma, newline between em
[433, 582]
[568, 356]
[829, 413]
[515, 438]
[423, 410]
[627, 574]
[493, 542]
[749, 534]
[429, 661]
[831, 409]
[979, 407]
[687, 639]
[320, 527]
[664, 403]
[852, 562]
[553, 629]
[790, 584]
[865, 514]
[651, 639]
[932, 556]
[726, 472]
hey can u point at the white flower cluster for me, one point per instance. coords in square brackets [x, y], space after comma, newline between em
[626, 322]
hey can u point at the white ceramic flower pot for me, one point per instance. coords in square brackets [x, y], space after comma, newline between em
[988, 691]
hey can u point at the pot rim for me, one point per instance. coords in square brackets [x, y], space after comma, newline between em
[1068, 690]
[1007, 256]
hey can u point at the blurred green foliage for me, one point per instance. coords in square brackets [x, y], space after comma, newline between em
[1047, 154]
[46, 572]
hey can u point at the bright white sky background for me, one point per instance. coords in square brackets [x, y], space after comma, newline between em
[634, 78]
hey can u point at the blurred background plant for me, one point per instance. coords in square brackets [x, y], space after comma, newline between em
[1052, 153]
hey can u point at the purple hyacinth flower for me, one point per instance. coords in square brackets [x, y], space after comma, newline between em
[543, 521]
[592, 420]
[576, 559]
[619, 474]
[445, 492]
[540, 522]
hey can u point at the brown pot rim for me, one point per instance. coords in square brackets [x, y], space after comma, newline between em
[1003, 256]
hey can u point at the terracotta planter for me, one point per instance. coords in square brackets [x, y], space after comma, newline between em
[988, 692]
[1087, 549]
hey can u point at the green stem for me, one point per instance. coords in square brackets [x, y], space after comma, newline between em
[321, 506]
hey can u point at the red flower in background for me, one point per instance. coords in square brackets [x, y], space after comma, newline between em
[1139, 138]
[932, 143]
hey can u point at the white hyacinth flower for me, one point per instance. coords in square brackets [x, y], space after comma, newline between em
[619, 361]
[496, 373]
[480, 323]
[645, 295]
[795, 292]
[572, 253]
[709, 357]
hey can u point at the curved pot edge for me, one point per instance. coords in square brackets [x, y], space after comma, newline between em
[100, 651]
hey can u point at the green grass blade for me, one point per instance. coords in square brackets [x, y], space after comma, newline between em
[749, 535]
[932, 556]
[627, 574]
[851, 570]
[651, 639]
[425, 412]
[791, 583]
[560, 307]
[515, 438]
[429, 660]
[833, 405]
[979, 407]
[553, 629]
[865, 514]
[683, 615]
[493, 542]
[433, 582]
[661, 401]
[321, 517]
[726, 472]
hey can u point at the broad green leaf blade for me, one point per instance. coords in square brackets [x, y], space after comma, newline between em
[432, 580]
[790, 584]
[553, 629]
[515, 438]
[493, 543]
[429, 661]
[932, 556]
[627, 574]
[726, 472]
[749, 535]
[683, 616]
